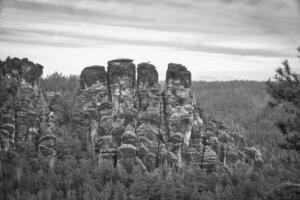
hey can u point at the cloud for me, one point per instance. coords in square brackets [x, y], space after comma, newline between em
[191, 15]
[94, 38]
[63, 8]
[244, 28]
[1, 5]
[298, 2]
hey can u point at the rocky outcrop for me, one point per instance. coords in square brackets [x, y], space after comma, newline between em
[22, 70]
[126, 117]
[96, 96]
[150, 122]
[179, 109]
[133, 122]
[24, 110]
[97, 106]
[121, 76]
[122, 80]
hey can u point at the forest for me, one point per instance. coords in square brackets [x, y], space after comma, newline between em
[242, 105]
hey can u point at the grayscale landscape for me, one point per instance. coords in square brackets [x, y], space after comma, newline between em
[156, 100]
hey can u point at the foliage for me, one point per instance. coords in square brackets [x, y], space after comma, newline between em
[59, 82]
[285, 93]
[74, 174]
[68, 87]
[28, 175]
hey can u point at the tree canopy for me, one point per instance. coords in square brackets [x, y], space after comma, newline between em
[285, 93]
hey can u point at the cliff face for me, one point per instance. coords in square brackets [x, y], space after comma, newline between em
[121, 76]
[179, 109]
[149, 129]
[133, 122]
[97, 105]
[24, 110]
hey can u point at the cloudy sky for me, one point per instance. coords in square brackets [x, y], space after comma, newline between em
[215, 39]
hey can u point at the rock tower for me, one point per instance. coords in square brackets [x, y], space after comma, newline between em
[24, 110]
[134, 122]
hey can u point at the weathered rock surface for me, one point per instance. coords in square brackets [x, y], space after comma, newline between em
[179, 109]
[126, 119]
[92, 75]
[23, 70]
[24, 110]
[149, 128]
[121, 76]
[133, 122]
[97, 106]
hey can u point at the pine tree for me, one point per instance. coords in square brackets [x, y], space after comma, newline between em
[285, 93]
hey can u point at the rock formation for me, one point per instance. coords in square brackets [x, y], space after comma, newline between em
[121, 76]
[24, 110]
[132, 122]
[179, 109]
[97, 105]
[149, 127]
[127, 118]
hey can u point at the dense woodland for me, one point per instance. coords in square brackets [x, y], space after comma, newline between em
[242, 105]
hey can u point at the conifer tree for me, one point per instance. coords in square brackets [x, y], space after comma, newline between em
[285, 93]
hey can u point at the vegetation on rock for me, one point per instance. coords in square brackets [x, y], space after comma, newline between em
[71, 168]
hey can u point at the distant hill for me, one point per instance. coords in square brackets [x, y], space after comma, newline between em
[227, 100]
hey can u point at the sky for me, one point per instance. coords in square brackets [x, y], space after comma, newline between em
[215, 39]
